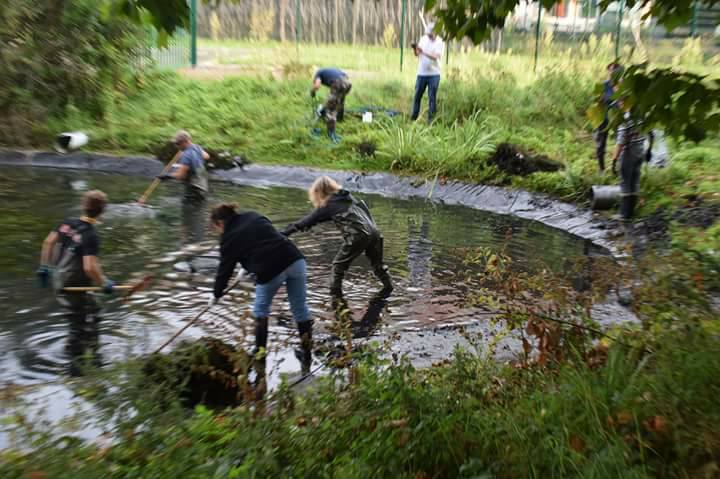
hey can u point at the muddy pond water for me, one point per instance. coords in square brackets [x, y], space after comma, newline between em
[425, 249]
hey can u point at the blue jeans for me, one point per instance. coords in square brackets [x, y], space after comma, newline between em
[295, 280]
[431, 83]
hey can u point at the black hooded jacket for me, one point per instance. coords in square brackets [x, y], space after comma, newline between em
[251, 240]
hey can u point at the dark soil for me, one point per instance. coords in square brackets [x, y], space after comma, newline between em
[201, 372]
[219, 159]
[696, 213]
[512, 160]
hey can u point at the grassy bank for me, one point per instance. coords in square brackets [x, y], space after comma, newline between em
[644, 406]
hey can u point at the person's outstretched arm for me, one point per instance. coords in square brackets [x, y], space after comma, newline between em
[319, 215]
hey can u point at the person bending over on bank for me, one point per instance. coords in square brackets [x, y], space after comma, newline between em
[192, 172]
[339, 84]
[360, 234]
[251, 240]
[69, 257]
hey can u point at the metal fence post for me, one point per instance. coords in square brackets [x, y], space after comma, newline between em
[298, 27]
[402, 32]
[619, 28]
[193, 33]
[693, 24]
[537, 36]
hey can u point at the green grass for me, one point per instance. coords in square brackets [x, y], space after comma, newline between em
[633, 415]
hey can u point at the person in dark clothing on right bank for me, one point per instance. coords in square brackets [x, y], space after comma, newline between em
[360, 234]
[601, 133]
[631, 153]
[251, 240]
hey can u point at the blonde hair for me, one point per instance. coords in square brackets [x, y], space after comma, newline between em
[322, 189]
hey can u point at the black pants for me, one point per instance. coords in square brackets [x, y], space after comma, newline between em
[630, 169]
[82, 314]
[601, 138]
[372, 246]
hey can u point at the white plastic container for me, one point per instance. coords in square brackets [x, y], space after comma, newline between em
[367, 117]
[70, 141]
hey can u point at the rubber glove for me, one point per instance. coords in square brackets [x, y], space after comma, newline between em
[44, 275]
[109, 286]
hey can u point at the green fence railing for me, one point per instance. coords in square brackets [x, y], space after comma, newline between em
[176, 54]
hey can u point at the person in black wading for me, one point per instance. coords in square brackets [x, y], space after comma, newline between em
[334, 110]
[69, 257]
[631, 153]
[193, 173]
[360, 234]
[251, 240]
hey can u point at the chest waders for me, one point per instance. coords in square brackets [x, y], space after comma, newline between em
[360, 235]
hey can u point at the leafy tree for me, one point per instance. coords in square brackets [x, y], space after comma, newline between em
[684, 104]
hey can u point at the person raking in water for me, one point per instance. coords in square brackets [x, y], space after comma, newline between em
[251, 240]
[193, 173]
[360, 233]
[334, 110]
[69, 257]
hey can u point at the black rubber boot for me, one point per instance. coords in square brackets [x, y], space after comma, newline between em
[261, 334]
[304, 354]
[627, 206]
[387, 289]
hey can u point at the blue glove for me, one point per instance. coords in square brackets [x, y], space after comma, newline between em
[44, 274]
[109, 287]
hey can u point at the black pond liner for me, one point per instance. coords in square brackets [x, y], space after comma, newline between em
[507, 201]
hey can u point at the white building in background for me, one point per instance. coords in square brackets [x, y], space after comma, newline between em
[568, 16]
[580, 16]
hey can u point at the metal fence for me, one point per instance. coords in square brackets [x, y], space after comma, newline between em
[176, 54]
[572, 25]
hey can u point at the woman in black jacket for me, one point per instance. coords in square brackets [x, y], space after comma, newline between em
[251, 240]
[360, 234]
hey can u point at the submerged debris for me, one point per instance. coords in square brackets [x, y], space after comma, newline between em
[366, 148]
[511, 159]
[206, 371]
[219, 159]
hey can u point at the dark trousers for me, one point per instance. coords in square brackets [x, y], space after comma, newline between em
[601, 138]
[372, 246]
[431, 83]
[630, 169]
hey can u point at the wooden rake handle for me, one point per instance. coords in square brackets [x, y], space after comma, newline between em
[156, 181]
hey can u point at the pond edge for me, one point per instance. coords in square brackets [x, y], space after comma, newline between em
[572, 219]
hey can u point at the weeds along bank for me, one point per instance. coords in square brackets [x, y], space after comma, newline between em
[269, 119]
[642, 404]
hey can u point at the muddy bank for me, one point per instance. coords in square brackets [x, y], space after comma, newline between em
[536, 207]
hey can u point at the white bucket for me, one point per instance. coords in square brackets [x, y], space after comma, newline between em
[367, 117]
[70, 141]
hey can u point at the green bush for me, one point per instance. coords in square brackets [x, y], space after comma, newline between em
[56, 54]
